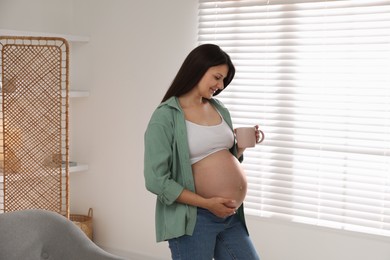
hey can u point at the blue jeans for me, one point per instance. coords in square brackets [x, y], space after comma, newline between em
[214, 238]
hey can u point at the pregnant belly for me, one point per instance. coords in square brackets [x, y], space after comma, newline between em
[220, 175]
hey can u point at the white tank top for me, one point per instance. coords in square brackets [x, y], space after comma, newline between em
[205, 140]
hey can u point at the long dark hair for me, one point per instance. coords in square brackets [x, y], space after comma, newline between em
[198, 61]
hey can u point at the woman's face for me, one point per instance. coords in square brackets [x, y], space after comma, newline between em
[212, 80]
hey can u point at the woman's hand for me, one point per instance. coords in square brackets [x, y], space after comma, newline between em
[259, 137]
[221, 207]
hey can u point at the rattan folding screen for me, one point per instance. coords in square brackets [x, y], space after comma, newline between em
[34, 119]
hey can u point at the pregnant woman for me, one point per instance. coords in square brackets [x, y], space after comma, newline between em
[192, 164]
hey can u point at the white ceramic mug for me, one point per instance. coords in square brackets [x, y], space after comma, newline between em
[246, 136]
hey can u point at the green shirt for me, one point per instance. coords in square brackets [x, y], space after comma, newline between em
[167, 168]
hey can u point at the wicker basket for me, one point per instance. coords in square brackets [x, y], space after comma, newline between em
[84, 222]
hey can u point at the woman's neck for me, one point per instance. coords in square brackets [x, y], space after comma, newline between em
[192, 101]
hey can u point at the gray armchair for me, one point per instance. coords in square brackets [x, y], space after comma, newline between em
[36, 234]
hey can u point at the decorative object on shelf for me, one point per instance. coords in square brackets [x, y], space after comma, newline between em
[34, 73]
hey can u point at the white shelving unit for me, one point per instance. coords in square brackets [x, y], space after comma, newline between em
[72, 93]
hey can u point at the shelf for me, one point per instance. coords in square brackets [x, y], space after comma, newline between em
[78, 168]
[68, 37]
[77, 93]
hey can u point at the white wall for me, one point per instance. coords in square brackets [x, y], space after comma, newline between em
[134, 51]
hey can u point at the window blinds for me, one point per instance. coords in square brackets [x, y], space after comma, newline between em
[315, 75]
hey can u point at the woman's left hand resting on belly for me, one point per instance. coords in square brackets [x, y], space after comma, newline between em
[216, 205]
